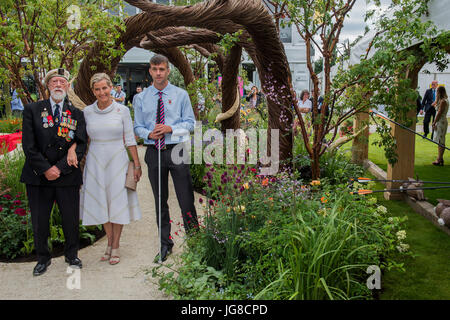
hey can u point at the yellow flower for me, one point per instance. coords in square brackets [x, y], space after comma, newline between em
[315, 183]
[246, 186]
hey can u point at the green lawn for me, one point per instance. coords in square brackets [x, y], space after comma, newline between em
[427, 272]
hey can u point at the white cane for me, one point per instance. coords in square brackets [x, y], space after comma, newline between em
[159, 200]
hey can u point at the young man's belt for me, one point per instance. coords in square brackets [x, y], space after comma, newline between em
[166, 147]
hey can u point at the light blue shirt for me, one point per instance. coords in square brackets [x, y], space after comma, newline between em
[122, 94]
[178, 113]
[16, 103]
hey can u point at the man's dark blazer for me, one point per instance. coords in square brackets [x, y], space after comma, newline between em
[428, 100]
[43, 147]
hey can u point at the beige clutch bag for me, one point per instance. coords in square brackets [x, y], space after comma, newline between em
[130, 183]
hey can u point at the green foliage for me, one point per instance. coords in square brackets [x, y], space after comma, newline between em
[47, 34]
[14, 224]
[203, 95]
[378, 79]
[176, 78]
[309, 242]
[10, 124]
[228, 41]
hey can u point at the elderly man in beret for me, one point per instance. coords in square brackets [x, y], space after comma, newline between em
[50, 127]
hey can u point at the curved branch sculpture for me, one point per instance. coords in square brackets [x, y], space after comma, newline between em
[260, 39]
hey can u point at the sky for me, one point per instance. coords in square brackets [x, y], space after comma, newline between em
[354, 25]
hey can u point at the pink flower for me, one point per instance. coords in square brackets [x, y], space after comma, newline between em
[17, 202]
[7, 196]
[21, 212]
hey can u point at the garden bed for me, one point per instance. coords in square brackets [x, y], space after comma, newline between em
[284, 237]
[58, 249]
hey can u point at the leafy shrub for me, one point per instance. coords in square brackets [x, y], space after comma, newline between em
[14, 224]
[308, 241]
[10, 125]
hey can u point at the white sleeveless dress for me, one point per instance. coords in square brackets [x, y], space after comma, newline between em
[103, 196]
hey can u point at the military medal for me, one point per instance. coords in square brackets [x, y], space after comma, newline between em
[50, 121]
[45, 122]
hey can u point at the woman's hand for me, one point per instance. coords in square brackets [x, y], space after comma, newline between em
[137, 173]
[72, 159]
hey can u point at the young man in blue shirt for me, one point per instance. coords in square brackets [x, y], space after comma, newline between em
[162, 112]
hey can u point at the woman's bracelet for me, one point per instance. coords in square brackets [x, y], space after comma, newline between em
[137, 167]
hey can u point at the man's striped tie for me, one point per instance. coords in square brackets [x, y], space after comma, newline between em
[160, 119]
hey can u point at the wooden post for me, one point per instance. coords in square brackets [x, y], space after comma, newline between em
[404, 168]
[360, 146]
[406, 145]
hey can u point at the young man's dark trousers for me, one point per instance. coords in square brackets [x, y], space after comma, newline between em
[182, 181]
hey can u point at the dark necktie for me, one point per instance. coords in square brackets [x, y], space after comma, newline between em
[56, 115]
[160, 119]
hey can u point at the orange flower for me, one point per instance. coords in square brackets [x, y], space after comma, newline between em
[265, 182]
[315, 183]
[323, 200]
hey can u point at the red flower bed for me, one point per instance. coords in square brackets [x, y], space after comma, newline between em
[10, 141]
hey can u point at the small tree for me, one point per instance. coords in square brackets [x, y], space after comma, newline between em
[377, 79]
[39, 35]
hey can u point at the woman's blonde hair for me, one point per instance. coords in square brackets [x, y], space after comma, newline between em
[99, 77]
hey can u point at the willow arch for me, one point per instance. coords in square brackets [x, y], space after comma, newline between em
[163, 28]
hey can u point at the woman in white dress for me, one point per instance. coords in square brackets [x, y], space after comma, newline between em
[103, 196]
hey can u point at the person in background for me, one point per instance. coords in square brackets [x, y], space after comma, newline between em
[138, 90]
[254, 97]
[118, 95]
[16, 103]
[304, 103]
[440, 124]
[429, 107]
[418, 104]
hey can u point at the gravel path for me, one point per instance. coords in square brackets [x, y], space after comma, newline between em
[99, 280]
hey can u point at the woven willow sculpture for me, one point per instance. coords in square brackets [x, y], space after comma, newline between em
[162, 29]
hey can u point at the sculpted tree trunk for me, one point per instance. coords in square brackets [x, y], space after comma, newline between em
[270, 57]
[229, 87]
[260, 39]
